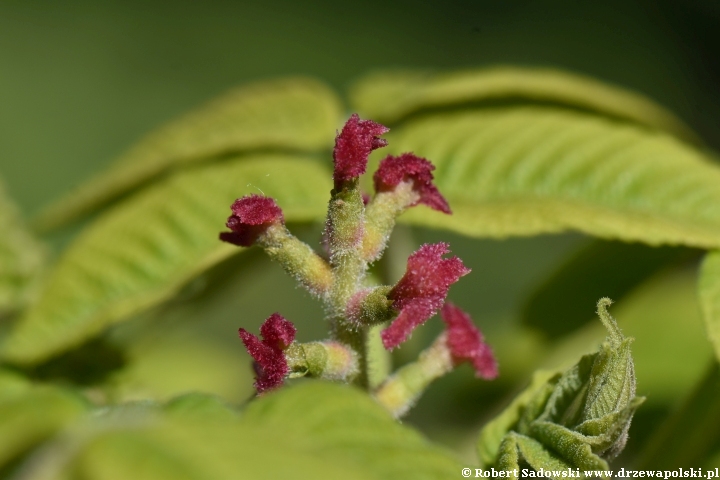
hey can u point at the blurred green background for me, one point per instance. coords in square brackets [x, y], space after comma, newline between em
[82, 80]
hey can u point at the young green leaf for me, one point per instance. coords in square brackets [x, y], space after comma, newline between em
[309, 431]
[31, 416]
[288, 114]
[345, 423]
[21, 258]
[528, 171]
[142, 251]
[710, 298]
[393, 95]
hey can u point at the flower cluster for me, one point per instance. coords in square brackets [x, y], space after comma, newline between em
[357, 230]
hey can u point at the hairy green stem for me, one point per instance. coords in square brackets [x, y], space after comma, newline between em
[401, 390]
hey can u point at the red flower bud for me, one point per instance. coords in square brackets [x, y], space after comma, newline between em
[466, 343]
[422, 290]
[271, 366]
[409, 167]
[353, 146]
[252, 215]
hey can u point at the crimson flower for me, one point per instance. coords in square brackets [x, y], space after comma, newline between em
[252, 215]
[353, 145]
[409, 167]
[422, 290]
[466, 343]
[271, 366]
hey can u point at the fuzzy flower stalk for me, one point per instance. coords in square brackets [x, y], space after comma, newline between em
[360, 313]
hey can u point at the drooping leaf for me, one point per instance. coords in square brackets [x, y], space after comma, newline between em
[393, 95]
[611, 269]
[30, 416]
[293, 114]
[528, 171]
[143, 250]
[690, 435]
[306, 432]
[710, 298]
[21, 258]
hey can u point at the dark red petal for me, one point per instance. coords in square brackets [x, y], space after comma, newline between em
[422, 290]
[277, 332]
[411, 316]
[353, 146]
[271, 366]
[254, 210]
[252, 215]
[466, 342]
[428, 275]
[409, 167]
[242, 237]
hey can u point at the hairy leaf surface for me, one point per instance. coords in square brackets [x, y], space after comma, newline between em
[309, 431]
[295, 114]
[530, 170]
[347, 424]
[142, 251]
[391, 96]
[21, 258]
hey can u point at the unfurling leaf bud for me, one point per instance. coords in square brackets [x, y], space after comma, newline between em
[579, 419]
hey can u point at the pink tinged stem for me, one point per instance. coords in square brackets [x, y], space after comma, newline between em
[400, 183]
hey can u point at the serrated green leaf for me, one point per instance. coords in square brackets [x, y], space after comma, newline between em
[690, 435]
[308, 431]
[21, 258]
[528, 171]
[610, 269]
[32, 415]
[142, 251]
[393, 95]
[295, 114]
[709, 287]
